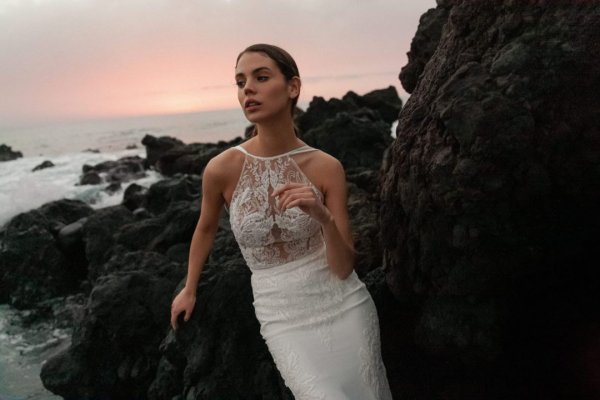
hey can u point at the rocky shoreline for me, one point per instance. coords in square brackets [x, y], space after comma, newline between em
[128, 261]
[476, 226]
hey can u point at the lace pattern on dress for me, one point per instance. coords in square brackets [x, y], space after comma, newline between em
[268, 237]
[372, 369]
[299, 380]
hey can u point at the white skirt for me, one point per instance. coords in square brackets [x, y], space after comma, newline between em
[322, 331]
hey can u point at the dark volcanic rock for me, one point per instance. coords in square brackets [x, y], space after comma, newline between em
[188, 159]
[424, 44]
[357, 139]
[175, 225]
[7, 153]
[383, 101]
[489, 202]
[156, 146]
[37, 262]
[170, 156]
[45, 164]
[320, 110]
[115, 345]
[99, 235]
[179, 188]
[134, 196]
[363, 212]
[225, 363]
[122, 170]
[90, 178]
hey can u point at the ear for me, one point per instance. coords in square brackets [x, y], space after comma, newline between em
[294, 86]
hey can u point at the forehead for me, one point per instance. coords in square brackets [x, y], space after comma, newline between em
[250, 61]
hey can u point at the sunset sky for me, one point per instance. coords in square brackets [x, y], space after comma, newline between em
[78, 59]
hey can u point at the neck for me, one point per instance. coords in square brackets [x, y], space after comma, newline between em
[276, 137]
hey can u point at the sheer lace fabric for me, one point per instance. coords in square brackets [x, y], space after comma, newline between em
[268, 237]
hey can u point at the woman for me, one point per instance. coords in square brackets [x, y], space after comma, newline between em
[287, 208]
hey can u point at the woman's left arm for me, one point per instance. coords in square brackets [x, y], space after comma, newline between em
[336, 230]
[332, 215]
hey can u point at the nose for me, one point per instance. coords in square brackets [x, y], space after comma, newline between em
[248, 88]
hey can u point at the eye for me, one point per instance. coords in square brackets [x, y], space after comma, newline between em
[239, 84]
[260, 77]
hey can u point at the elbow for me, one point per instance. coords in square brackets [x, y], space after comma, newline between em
[208, 229]
[350, 267]
[345, 274]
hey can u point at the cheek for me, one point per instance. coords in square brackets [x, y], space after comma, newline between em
[278, 94]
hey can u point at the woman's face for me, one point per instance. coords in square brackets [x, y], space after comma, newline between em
[259, 79]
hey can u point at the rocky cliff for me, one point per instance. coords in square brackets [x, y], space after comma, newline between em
[489, 202]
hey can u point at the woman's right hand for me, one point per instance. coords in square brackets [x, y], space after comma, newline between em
[184, 301]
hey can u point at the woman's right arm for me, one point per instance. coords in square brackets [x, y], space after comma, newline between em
[213, 180]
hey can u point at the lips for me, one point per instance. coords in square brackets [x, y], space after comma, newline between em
[251, 103]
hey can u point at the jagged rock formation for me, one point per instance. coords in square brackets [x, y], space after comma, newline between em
[40, 253]
[121, 170]
[489, 202]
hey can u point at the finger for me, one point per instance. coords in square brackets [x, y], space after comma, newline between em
[296, 194]
[301, 202]
[285, 186]
[301, 189]
[297, 200]
[173, 321]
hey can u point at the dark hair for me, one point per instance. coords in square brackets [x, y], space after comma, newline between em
[286, 65]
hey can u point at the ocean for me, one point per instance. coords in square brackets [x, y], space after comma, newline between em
[66, 144]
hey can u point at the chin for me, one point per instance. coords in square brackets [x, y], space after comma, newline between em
[256, 118]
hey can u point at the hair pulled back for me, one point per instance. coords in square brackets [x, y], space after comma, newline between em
[286, 65]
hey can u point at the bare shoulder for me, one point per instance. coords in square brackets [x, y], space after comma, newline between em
[327, 163]
[327, 170]
[218, 171]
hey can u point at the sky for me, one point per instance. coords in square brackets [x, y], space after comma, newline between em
[66, 60]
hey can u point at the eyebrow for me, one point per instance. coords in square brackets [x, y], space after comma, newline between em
[254, 71]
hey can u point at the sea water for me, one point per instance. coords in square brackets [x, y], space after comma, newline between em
[65, 145]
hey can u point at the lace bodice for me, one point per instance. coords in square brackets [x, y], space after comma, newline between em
[268, 237]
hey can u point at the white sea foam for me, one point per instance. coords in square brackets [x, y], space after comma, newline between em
[21, 189]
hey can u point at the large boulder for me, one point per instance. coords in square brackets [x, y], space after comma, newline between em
[115, 344]
[170, 156]
[160, 233]
[157, 146]
[219, 352]
[122, 170]
[489, 201]
[357, 139]
[181, 187]
[42, 253]
[385, 102]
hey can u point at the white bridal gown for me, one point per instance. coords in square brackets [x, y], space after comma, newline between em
[322, 331]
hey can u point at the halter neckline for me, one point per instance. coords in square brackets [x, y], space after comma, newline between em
[275, 156]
